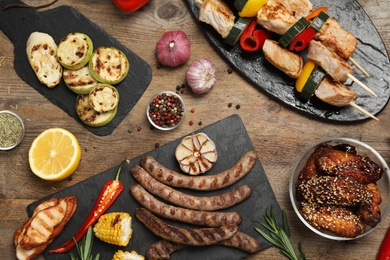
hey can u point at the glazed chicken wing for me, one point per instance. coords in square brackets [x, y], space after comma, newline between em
[371, 213]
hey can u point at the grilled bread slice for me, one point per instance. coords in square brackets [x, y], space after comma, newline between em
[41, 53]
[74, 50]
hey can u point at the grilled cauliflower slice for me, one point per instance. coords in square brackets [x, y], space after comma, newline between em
[41, 53]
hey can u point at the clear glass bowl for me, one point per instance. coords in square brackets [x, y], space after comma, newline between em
[20, 134]
[361, 149]
[164, 126]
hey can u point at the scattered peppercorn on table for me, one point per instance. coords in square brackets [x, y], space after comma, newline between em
[279, 134]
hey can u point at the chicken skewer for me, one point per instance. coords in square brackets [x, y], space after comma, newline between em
[329, 91]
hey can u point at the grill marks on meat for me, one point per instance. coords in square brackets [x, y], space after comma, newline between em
[298, 8]
[196, 237]
[337, 190]
[203, 182]
[202, 218]
[274, 17]
[341, 221]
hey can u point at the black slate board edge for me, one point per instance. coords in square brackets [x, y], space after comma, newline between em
[230, 128]
[19, 23]
[315, 108]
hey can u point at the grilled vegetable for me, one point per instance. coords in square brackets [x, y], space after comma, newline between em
[103, 98]
[313, 82]
[41, 53]
[298, 27]
[109, 65]
[74, 50]
[114, 228]
[253, 39]
[79, 81]
[125, 255]
[238, 28]
[319, 21]
[89, 116]
[302, 40]
[249, 8]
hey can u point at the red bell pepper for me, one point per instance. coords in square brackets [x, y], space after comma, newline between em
[302, 40]
[384, 249]
[130, 5]
[253, 39]
[106, 198]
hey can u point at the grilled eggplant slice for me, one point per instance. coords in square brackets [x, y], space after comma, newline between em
[91, 117]
[103, 98]
[41, 53]
[109, 65]
[79, 81]
[74, 50]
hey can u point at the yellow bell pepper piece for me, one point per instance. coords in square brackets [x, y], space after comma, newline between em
[305, 74]
[251, 8]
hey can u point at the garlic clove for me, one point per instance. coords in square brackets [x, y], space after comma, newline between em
[196, 154]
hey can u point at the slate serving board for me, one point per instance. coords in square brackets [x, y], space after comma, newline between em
[371, 54]
[19, 23]
[232, 141]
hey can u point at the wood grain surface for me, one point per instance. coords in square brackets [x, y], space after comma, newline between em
[278, 133]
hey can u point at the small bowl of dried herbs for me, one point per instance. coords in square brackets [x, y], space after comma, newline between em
[166, 110]
[11, 130]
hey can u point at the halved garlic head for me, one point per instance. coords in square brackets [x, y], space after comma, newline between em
[196, 154]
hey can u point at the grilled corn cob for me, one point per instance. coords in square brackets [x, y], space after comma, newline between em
[125, 255]
[114, 228]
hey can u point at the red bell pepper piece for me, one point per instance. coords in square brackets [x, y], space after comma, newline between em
[253, 39]
[384, 249]
[130, 5]
[302, 40]
[110, 191]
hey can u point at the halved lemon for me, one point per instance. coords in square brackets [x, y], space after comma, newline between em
[54, 154]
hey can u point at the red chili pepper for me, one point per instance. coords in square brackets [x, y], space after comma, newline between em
[302, 40]
[106, 198]
[130, 5]
[253, 39]
[384, 250]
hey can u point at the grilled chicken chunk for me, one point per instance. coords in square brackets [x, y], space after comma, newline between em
[286, 61]
[334, 93]
[274, 17]
[298, 8]
[218, 14]
[333, 64]
[334, 37]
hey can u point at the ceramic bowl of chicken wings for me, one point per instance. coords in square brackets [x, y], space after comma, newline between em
[340, 189]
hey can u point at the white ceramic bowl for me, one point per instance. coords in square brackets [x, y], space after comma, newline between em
[20, 134]
[151, 110]
[361, 149]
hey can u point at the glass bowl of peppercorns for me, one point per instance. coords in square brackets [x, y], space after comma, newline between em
[340, 189]
[166, 110]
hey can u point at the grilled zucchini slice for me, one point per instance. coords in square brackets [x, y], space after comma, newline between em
[74, 50]
[79, 81]
[103, 98]
[109, 65]
[41, 53]
[91, 117]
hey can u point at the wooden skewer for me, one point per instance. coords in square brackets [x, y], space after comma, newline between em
[361, 84]
[363, 110]
[358, 66]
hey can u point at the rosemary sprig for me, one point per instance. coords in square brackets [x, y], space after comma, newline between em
[84, 247]
[280, 236]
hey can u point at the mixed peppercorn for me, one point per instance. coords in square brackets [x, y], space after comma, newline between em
[166, 110]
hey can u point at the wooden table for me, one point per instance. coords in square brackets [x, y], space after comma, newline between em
[278, 133]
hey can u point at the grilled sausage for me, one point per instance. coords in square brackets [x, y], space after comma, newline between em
[195, 217]
[162, 249]
[178, 198]
[194, 237]
[204, 182]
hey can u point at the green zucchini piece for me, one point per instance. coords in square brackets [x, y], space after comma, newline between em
[239, 4]
[74, 50]
[89, 116]
[313, 82]
[235, 33]
[294, 30]
[319, 21]
[79, 81]
[103, 98]
[109, 65]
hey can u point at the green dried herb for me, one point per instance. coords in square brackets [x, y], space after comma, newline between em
[10, 130]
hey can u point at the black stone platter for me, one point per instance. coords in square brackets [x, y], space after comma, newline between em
[371, 54]
[19, 23]
[232, 141]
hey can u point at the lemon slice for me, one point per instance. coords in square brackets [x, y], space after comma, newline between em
[54, 154]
